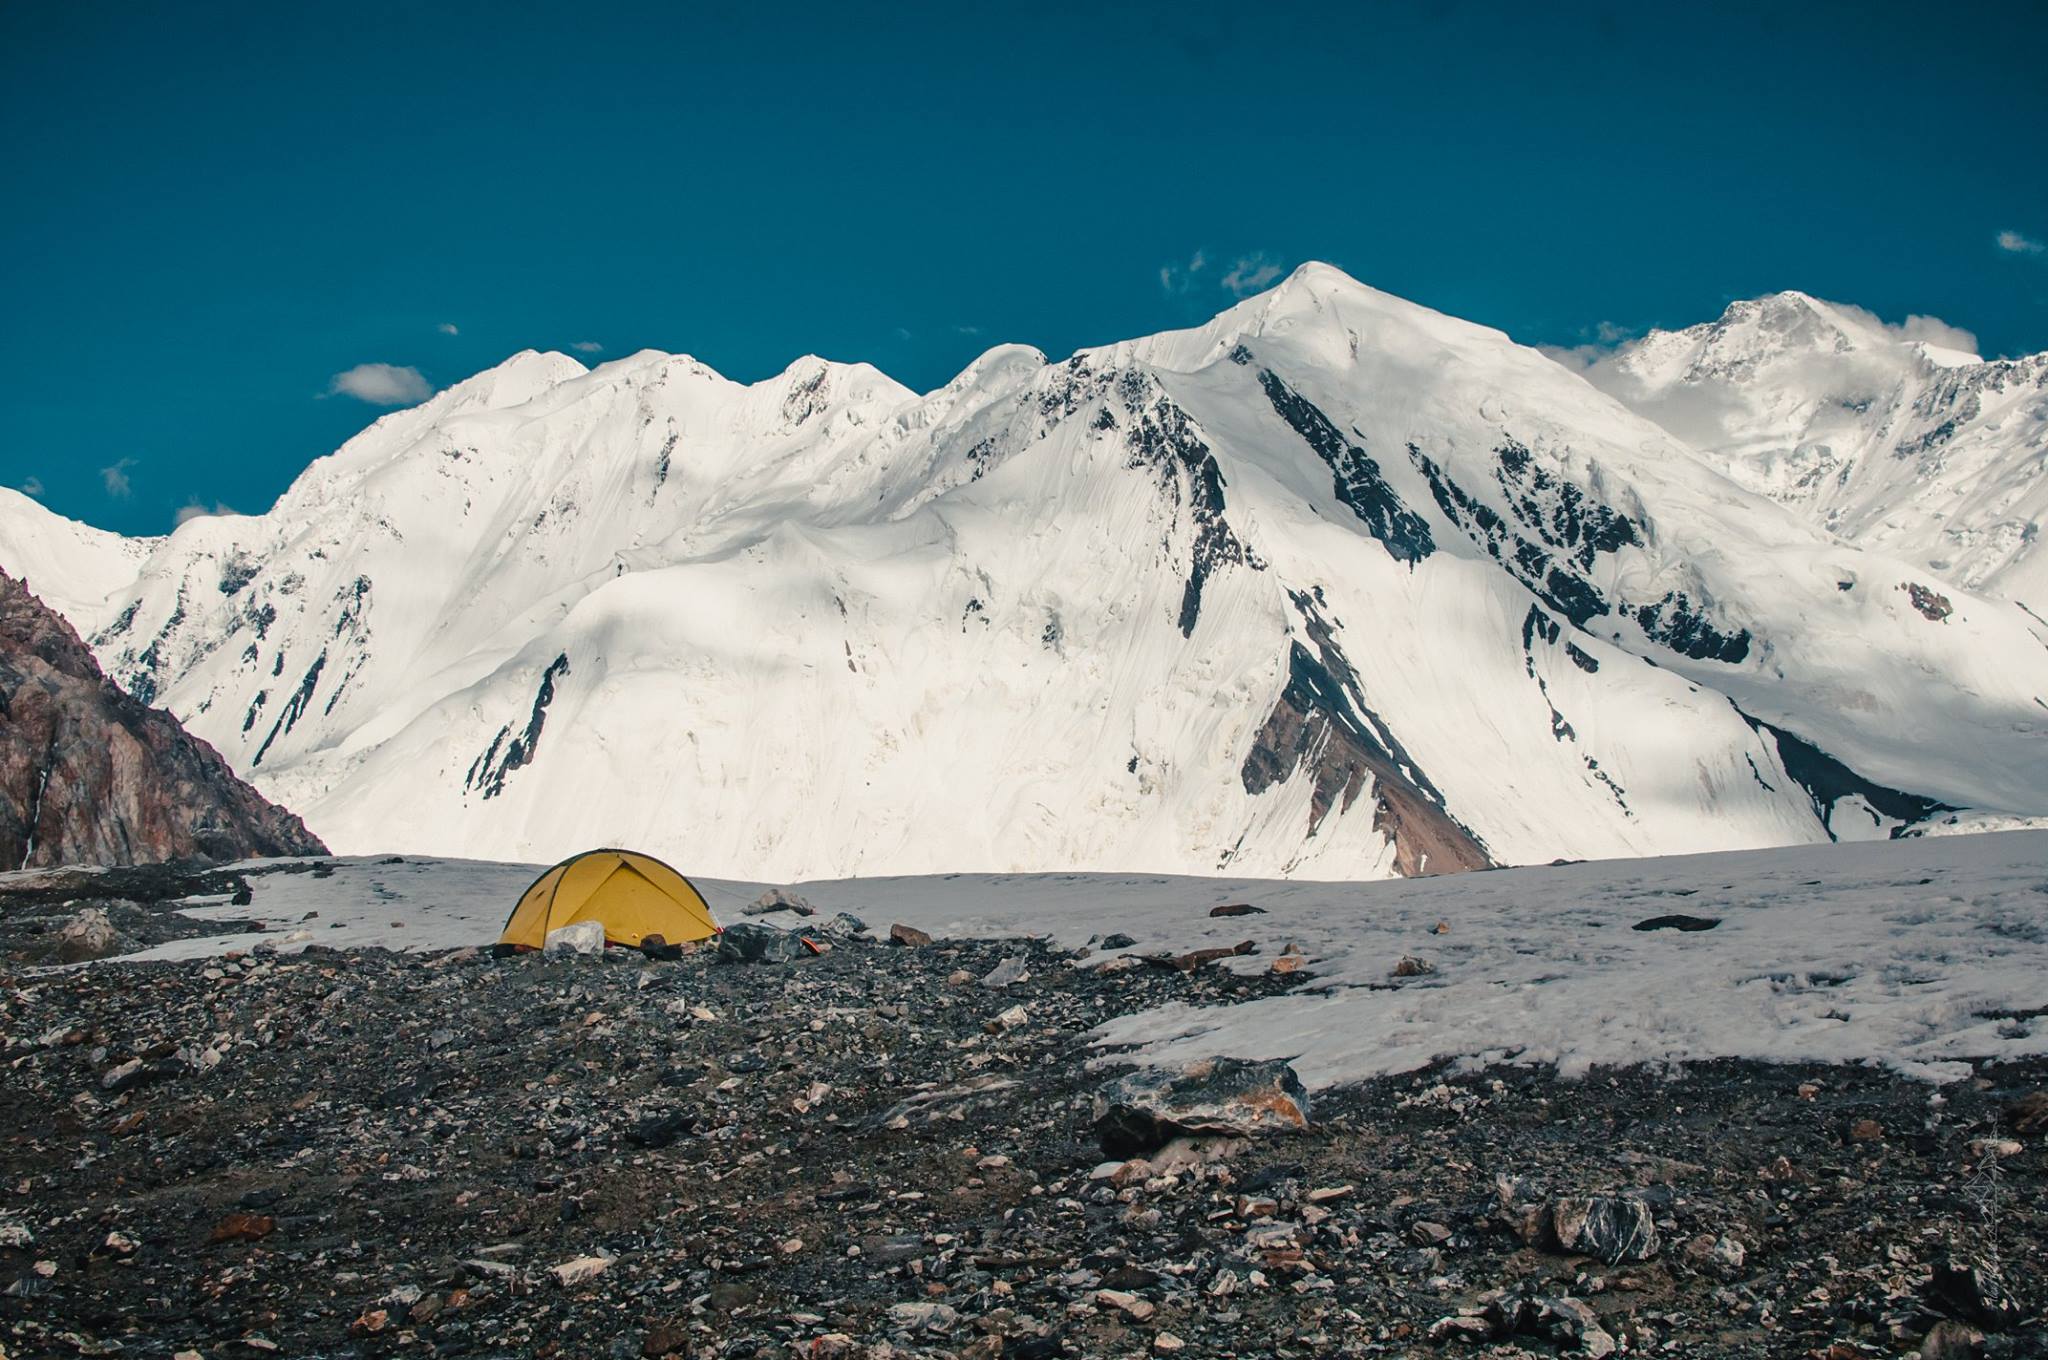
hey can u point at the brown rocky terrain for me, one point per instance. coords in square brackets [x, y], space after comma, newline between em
[887, 1151]
[89, 775]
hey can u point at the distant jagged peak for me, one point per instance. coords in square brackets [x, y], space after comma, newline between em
[1793, 329]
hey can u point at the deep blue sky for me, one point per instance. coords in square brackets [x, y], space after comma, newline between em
[209, 211]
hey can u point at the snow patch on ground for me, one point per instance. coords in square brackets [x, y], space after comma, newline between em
[1918, 954]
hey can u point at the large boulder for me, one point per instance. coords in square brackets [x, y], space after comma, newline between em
[752, 942]
[1143, 1111]
[1614, 1228]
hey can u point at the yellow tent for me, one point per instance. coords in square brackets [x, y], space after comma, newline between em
[632, 894]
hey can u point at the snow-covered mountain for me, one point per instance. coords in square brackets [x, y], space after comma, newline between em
[1334, 586]
[1890, 436]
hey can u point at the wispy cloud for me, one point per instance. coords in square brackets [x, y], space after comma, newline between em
[197, 509]
[1180, 278]
[1598, 341]
[587, 347]
[1251, 274]
[2012, 243]
[381, 385]
[115, 479]
[32, 485]
[967, 330]
[449, 328]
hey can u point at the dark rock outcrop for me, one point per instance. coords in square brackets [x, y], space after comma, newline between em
[91, 775]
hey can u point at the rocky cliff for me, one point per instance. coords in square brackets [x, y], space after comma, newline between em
[89, 775]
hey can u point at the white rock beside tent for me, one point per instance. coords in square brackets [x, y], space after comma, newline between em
[579, 937]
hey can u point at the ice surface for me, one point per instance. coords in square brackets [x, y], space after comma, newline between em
[1919, 954]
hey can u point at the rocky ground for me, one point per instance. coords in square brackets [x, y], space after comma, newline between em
[873, 1152]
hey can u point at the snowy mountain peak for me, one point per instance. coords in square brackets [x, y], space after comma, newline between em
[1896, 436]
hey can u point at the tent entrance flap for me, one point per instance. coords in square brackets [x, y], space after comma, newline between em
[632, 895]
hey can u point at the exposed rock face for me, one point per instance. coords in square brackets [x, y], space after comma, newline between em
[90, 775]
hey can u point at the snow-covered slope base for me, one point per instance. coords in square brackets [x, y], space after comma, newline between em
[1334, 585]
[1917, 953]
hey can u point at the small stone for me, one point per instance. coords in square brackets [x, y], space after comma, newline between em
[1166, 1343]
[1866, 1131]
[580, 1270]
[1326, 1194]
[778, 899]
[910, 937]
[1117, 941]
[126, 1076]
[1287, 963]
[1410, 966]
[790, 1246]
[578, 937]
[243, 1227]
[669, 1336]
[1130, 1305]
[1951, 1340]
[1462, 1327]
[370, 1322]
[120, 1244]
[1721, 1255]
[1426, 1233]
[1013, 1018]
[1008, 973]
[1237, 909]
[926, 1317]
[2029, 1114]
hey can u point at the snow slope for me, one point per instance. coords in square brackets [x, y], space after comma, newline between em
[1892, 441]
[1917, 953]
[74, 568]
[1334, 585]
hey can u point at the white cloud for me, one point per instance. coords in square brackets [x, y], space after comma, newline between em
[1179, 278]
[1577, 358]
[587, 347]
[195, 509]
[2015, 244]
[1251, 274]
[381, 385]
[967, 330]
[115, 479]
[32, 486]
[449, 328]
[1602, 339]
[1930, 330]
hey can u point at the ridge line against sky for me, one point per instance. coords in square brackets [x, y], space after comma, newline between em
[242, 232]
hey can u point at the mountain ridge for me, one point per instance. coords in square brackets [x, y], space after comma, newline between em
[1332, 584]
